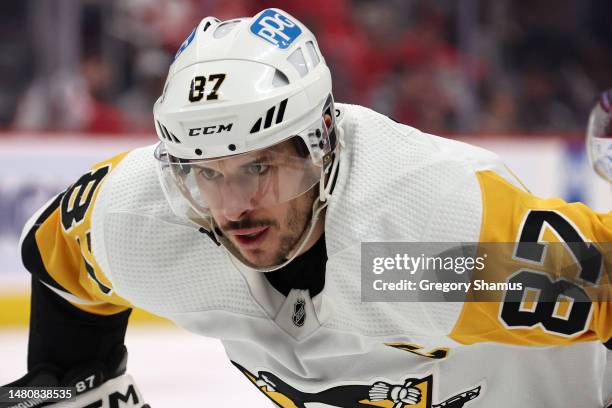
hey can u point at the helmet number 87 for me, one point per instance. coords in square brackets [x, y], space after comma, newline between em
[196, 90]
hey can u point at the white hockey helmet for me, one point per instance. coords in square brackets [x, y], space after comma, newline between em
[599, 136]
[240, 87]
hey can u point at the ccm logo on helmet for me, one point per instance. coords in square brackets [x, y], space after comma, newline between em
[276, 28]
[209, 130]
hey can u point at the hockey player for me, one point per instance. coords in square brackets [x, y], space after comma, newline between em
[245, 223]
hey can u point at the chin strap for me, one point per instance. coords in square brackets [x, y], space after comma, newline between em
[328, 175]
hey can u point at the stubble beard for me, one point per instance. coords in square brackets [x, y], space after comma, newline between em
[298, 222]
[295, 225]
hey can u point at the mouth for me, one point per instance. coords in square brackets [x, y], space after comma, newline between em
[250, 238]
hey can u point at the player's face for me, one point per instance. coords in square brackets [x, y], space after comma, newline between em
[243, 195]
[265, 236]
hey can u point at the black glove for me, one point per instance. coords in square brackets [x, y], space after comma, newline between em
[94, 384]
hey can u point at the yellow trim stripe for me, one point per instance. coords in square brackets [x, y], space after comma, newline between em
[15, 312]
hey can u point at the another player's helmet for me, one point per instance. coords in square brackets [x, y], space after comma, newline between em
[599, 136]
[239, 89]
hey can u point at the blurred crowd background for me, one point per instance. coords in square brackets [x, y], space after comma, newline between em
[446, 66]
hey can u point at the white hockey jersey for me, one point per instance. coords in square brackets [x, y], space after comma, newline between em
[111, 242]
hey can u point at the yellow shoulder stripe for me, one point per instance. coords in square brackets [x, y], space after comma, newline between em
[506, 209]
[64, 243]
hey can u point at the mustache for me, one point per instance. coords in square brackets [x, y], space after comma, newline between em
[248, 223]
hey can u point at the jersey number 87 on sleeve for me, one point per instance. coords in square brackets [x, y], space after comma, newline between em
[588, 260]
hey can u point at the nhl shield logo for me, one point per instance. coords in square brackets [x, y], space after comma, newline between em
[299, 312]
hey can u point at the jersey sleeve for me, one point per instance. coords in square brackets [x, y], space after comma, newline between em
[554, 257]
[56, 246]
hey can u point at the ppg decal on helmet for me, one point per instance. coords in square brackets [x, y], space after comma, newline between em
[276, 28]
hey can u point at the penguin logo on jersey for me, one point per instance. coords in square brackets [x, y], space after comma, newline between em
[412, 392]
[299, 312]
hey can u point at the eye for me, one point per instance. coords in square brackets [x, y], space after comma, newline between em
[257, 168]
[208, 173]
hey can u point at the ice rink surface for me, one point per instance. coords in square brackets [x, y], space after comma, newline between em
[171, 367]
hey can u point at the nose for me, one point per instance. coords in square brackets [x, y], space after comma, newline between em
[237, 202]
